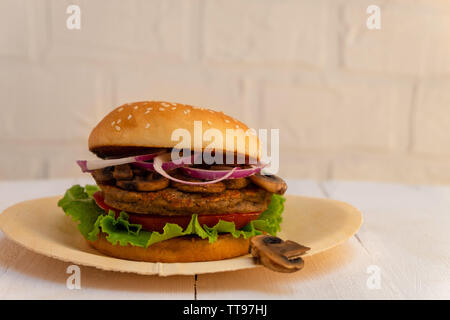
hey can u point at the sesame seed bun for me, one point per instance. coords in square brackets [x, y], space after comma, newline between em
[182, 249]
[150, 124]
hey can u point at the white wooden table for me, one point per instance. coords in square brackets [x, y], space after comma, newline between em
[401, 252]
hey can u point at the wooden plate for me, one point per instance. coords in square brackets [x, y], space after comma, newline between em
[41, 226]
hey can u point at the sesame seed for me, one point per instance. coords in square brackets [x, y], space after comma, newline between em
[209, 122]
[161, 109]
[113, 123]
[211, 111]
[120, 109]
[118, 121]
[165, 104]
[130, 116]
[147, 126]
[173, 108]
[136, 107]
[237, 126]
[117, 128]
[146, 111]
[227, 121]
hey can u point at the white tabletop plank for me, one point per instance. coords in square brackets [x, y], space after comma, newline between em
[340, 273]
[27, 275]
[406, 233]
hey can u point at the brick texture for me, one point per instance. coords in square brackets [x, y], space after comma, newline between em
[50, 105]
[118, 31]
[350, 103]
[410, 40]
[431, 118]
[13, 28]
[392, 168]
[341, 113]
[21, 161]
[199, 87]
[265, 31]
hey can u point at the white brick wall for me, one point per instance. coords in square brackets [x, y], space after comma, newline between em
[14, 36]
[118, 30]
[411, 40]
[196, 85]
[45, 104]
[341, 113]
[431, 122]
[261, 32]
[351, 103]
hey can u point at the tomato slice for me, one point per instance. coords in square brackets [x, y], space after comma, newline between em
[100, 200]
[152, 222]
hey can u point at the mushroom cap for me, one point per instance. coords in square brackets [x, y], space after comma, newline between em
[276, 254]
[271, 183]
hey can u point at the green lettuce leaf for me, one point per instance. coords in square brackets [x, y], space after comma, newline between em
[121, 231]
[91, 189]
[78, 203]
[270, 220]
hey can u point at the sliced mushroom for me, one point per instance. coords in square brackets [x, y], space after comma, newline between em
[272, 183]
[206, 188]
[123, 172]
[276, 254]
[235, 184]
[140, 172]
[103, 175]
[144, 184]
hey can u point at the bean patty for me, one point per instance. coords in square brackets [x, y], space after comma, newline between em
[171, 201]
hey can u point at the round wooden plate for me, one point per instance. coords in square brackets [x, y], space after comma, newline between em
[41, 226]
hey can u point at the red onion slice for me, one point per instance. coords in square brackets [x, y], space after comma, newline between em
[167, 163]
[145, 165]
[158, 164]
[216, 174]
[91, 165]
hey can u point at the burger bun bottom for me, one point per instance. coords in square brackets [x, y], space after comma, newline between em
[180, 249]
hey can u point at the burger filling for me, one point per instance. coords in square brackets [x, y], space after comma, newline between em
[139, 207]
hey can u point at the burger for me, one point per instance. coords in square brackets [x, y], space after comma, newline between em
[161, 198]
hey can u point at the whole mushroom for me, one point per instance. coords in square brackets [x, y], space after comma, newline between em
[276, 254]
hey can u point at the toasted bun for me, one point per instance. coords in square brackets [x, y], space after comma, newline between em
[181, 249]
[150, 124]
